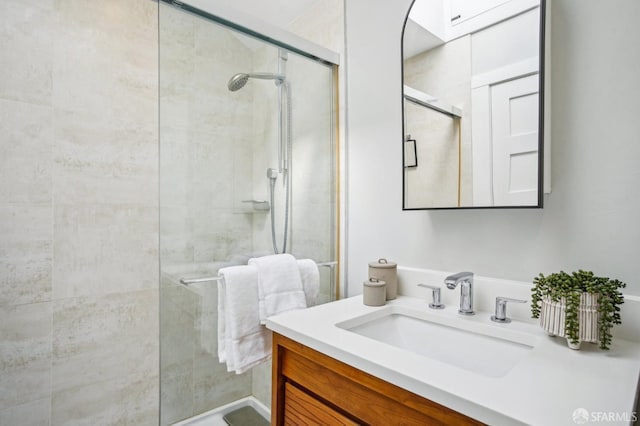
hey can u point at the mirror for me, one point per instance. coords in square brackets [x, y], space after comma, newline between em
[473, 104]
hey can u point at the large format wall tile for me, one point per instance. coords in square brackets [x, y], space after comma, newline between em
[100, 338]
[25, 353]
[176, 393]
[105, 359]
[219, 234]
[26, 48]
[176, 245]
[213, 386]
[103, 249]
[35, 413]
[175, 165]
[26, 147]
[107, 49]
[178, 325]
[25, 253]
[177, 348]
[119, 401]
[105, 100]
[125, 18]
[100, 162]
[261, 382]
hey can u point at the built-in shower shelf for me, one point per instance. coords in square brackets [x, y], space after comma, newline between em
[259, 205]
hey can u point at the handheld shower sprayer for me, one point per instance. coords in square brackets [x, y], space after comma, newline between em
[237, 82]
[272, 173]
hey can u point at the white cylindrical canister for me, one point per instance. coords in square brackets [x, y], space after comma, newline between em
[386, 271]
[374, 292]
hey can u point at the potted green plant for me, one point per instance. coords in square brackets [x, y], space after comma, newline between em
[579, 306]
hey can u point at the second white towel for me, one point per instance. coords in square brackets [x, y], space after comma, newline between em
[279, 285]
[310, 276]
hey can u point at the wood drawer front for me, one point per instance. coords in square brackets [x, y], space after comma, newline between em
[301, 409]
[364, 397]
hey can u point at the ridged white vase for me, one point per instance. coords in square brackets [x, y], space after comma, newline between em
[552, 316]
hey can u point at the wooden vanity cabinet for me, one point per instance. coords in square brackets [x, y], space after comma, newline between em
[310, 388]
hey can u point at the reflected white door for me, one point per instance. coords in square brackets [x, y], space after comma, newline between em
[514, 122]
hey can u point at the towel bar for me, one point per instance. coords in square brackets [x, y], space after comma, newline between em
[187, 281]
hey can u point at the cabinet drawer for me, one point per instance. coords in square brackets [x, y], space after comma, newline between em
[301, 408]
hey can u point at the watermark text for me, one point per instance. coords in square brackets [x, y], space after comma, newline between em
[583, 416]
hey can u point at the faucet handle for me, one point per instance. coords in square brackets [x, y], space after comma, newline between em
[435, 294]
[501, 309]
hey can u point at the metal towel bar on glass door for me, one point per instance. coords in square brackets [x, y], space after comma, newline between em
[188, 281]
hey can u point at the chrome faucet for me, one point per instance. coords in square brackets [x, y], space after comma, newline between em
[465, 279]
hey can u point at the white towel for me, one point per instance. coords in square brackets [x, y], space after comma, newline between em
[310, 280]
[279, 285]
[222, 319]
[242, 341]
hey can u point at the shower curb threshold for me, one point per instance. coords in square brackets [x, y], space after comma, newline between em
[214, 417]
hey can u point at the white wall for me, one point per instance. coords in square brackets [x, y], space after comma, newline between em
[591, 218]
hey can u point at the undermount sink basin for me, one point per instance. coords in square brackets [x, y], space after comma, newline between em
[480, 348]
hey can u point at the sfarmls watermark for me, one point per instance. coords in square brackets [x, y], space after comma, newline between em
[582, 416]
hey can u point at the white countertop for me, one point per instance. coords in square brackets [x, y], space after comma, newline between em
[544, 388]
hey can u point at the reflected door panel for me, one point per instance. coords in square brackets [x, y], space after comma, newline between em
[514, 123]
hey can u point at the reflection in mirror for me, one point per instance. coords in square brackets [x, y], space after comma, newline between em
[472, 73]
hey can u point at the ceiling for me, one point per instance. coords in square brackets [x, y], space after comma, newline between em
[417, 39]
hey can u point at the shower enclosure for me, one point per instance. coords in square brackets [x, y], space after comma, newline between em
[247, 168]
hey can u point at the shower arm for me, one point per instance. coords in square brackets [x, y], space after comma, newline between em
[279, 78]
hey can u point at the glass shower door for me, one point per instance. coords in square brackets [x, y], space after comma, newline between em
[216, 147]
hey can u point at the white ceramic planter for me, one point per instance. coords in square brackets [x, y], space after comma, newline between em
[552, 316]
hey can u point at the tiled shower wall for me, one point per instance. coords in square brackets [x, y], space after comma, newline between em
[78, 212]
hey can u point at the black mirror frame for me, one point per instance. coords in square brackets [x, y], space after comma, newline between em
[541, 101]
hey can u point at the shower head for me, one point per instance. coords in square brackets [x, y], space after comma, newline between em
[238, 81]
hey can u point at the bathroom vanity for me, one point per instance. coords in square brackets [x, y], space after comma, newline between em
[307, 385]
[347, 363]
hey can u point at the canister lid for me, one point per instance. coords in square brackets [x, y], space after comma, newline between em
[382, 263]
[374, 282]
